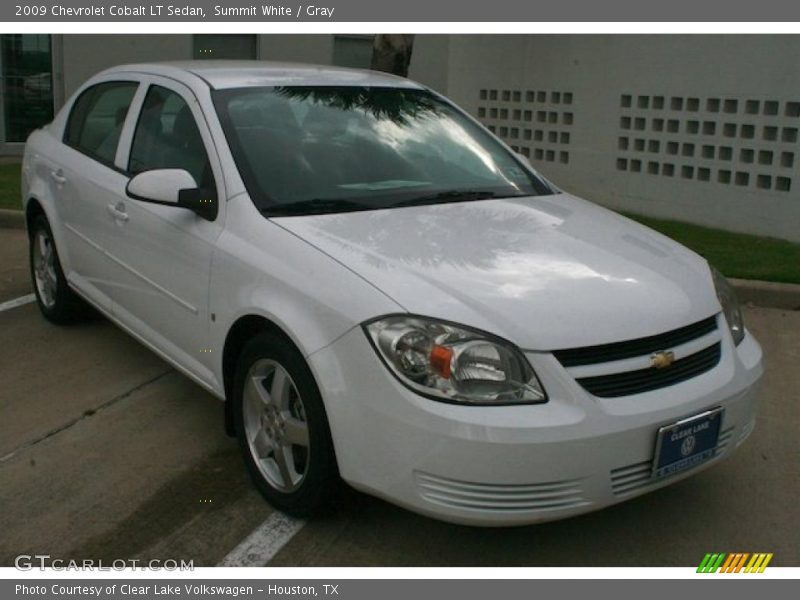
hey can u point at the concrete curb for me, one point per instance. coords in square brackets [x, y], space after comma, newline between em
[12, 219]
[767, 293]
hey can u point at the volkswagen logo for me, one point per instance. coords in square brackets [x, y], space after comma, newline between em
[688, 444]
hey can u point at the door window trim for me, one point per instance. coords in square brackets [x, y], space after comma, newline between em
[209, 143]
[148, 87]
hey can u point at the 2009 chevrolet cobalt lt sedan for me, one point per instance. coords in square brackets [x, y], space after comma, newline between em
[383, 293]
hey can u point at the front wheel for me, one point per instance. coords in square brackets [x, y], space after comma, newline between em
[57, 302]
[282, 428]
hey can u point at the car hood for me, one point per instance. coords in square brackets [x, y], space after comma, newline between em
[545, 272]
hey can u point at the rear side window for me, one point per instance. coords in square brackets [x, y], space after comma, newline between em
[97, 117]
[167, 137]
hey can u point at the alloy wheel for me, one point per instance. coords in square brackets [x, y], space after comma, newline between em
[275, 425]
[44, 268]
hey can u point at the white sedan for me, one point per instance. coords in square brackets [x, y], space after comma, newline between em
[383, 293]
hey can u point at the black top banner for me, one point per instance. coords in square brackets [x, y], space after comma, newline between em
[401, 11]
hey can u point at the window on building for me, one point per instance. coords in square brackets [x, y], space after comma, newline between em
[225, 46]
[354, 51]
[26, 85]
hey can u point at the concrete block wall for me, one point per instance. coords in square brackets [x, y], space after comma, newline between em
[695, 128]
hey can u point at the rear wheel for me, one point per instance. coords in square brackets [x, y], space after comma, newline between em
[58, 303]
[282, 428]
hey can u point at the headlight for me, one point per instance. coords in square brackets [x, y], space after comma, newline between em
[454, 364]
[730, 305]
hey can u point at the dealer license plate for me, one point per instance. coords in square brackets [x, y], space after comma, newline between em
[687, 443]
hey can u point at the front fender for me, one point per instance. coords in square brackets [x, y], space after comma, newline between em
[261, 269]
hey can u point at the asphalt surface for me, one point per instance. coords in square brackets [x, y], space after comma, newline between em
[106, 452]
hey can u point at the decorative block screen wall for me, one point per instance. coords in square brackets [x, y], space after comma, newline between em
[640, 124]
[750, 143]
[535, 123]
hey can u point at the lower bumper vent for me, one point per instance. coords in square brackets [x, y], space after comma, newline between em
[501, 497]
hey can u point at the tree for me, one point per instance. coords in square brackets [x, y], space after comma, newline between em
[391, 53]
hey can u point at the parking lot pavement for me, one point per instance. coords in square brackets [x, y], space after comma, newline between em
[109, 453]
[15, 280]
[106, 452]
[56, 375]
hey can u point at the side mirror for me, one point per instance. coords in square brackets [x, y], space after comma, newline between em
[173, 187]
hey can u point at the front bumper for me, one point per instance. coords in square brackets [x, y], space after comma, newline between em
[514, 465]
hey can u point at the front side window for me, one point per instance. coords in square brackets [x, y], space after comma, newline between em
[167, 137]
[98, 115]
[313, 150]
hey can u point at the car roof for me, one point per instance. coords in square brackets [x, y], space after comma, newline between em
[222, 74]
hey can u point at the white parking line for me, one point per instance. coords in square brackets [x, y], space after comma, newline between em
[21, 301]
[264, 543]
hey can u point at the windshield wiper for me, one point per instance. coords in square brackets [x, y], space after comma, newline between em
[314, 206]
[448, 196]
[318, 206]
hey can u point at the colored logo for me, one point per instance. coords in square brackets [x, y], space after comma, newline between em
[737, 562]
[661, 360]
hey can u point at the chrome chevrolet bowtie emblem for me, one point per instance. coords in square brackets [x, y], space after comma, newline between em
[660, 360]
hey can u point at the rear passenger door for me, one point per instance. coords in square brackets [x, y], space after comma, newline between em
[86, 177]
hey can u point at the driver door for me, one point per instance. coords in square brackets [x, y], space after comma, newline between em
[163, 253]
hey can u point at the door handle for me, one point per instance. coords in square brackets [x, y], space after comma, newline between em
[58, 177]
[118, 212]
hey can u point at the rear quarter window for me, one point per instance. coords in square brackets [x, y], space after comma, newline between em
[97, 117]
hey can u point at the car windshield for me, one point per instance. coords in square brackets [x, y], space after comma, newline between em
[313, 150]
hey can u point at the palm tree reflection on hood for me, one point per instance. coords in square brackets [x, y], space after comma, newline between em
[400, 106]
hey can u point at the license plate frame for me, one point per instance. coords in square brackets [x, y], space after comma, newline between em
[676, 453]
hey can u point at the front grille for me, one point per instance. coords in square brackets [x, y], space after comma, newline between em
[591, 355]
[645, 380]
[598, 368]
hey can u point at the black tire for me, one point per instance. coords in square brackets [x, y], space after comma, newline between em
[65, 306]
[320, 487]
